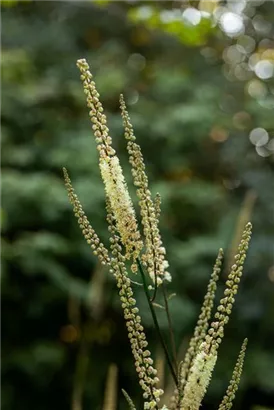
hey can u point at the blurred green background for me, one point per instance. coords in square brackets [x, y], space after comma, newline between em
[198, 80]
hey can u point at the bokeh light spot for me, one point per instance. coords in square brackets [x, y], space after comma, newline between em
[236, 6]
[253, 60]
[256, 89]
[145, 12]
[242, 72]
[218, 134]
[264, 69]
[133, 97]
[167, 16]
[247, 42]
[191, 16]
[261, 25]
[270, 145]
[234, 54]
[262, 151]
[136, 61]
[258, 137]
[271, 273]
[208, 6]
[232, 24]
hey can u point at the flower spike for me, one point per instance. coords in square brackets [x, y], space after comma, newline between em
[143, 361]
[216, 331]
[194, 373]
[235, 380]
[154, 258]
[97, 116]
[111, 171]
[90, 235]
[203, 321]
[121, 205]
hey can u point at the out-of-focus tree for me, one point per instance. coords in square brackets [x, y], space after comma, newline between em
[201, 101]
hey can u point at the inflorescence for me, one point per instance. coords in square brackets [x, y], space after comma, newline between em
[147, 255]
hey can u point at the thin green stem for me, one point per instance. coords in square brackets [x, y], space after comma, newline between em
[171, 333]
[155, 320]
[155, 287]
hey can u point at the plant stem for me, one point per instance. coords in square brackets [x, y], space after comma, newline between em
[155, 320]
[171, 333]
[155, 288]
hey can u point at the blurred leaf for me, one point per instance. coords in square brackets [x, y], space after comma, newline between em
[173, 24]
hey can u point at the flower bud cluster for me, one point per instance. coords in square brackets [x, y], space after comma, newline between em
[174, 400]
[216, 331]
[227, 401]
[90, 235]
[129, 400]
[143, 362]
[154, 258]
[125, 243]
[203, 321]
[121, 205]
[97, 116]
[157, 205]
[111, 171]
[198, 379]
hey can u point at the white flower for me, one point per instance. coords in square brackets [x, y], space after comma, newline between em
[121, 204]
[167, 277]
[198, 380]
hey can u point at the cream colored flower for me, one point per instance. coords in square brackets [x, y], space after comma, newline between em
[198, 380]
[144, 364]
[203, 322]
[121, 205]
[154, 259]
